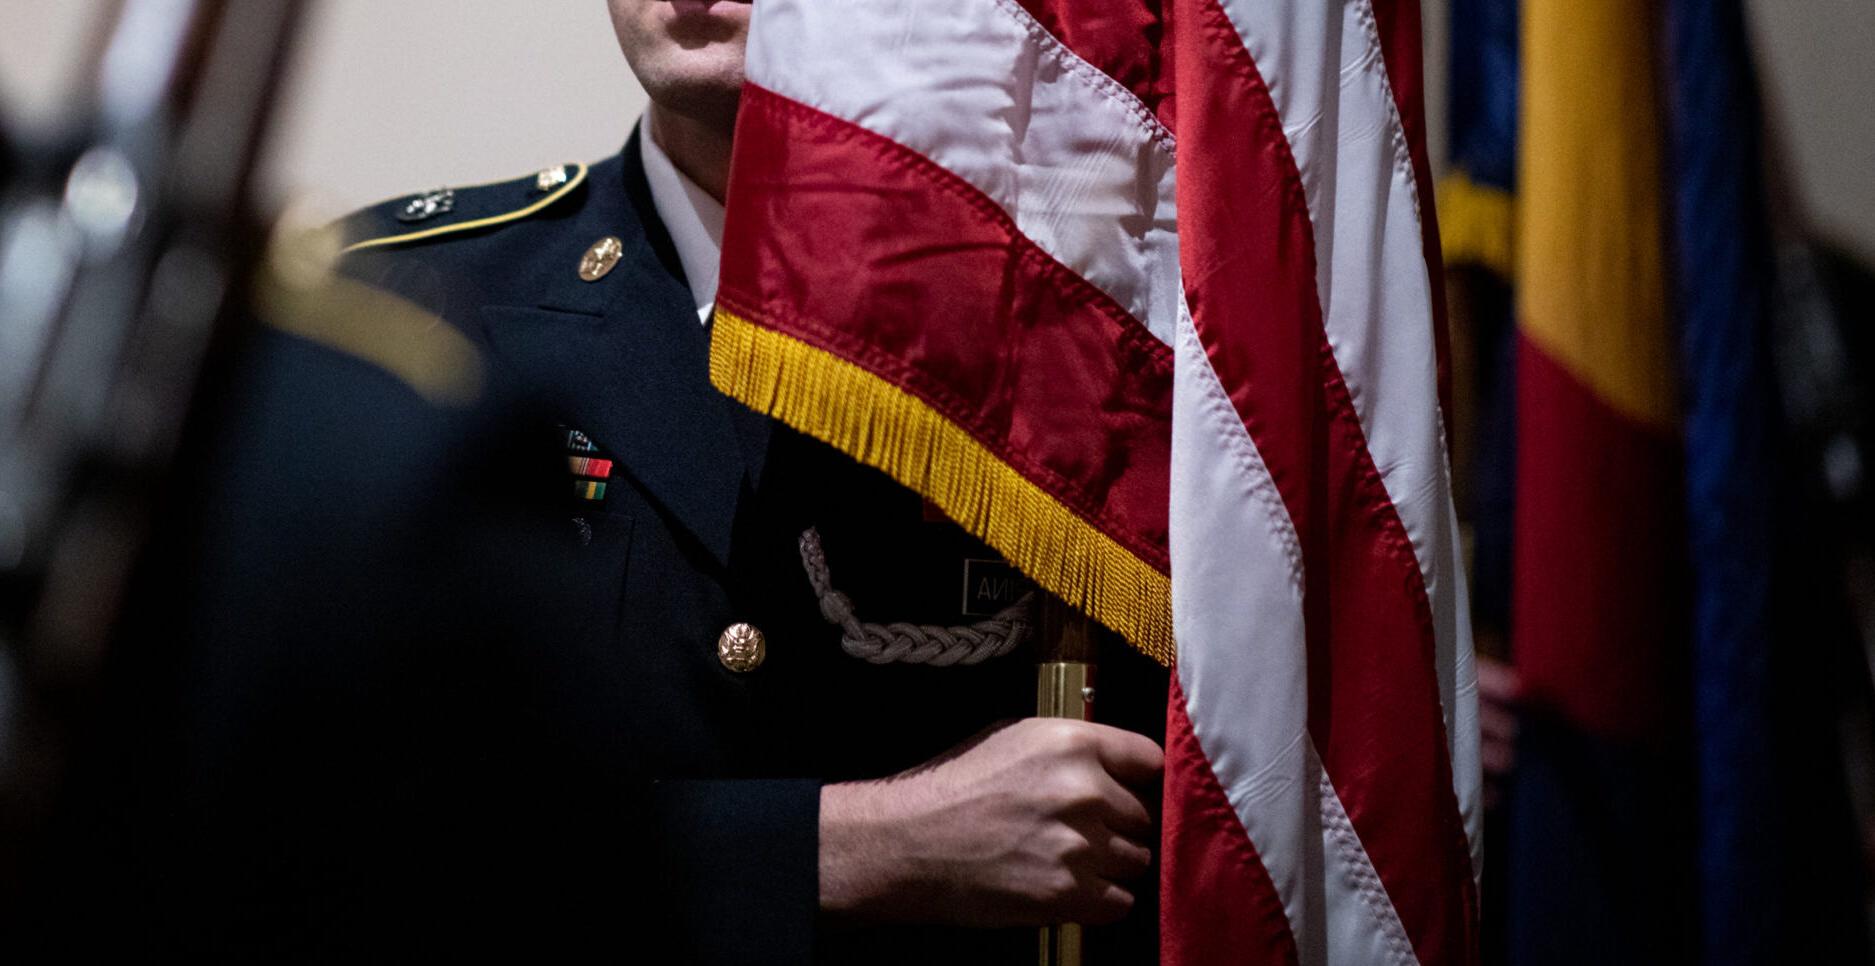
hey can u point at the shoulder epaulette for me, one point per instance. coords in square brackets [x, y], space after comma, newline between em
[449, 211]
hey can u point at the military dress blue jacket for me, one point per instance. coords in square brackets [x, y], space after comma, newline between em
[552, 745]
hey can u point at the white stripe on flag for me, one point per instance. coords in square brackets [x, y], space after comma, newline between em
[977, 86]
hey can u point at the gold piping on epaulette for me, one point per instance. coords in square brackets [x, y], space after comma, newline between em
[579, 178]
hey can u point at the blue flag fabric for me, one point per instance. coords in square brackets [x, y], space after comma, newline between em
[1483, 91]
[1721, 244]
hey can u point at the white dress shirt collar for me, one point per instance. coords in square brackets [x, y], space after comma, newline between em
[693, 219]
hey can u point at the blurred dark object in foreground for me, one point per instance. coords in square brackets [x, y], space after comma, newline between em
[126, 242]
[265, 689]
[342, 720]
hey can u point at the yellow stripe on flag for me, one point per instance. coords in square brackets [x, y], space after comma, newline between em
[879, 424]
[1590, 255]
[1477, 224]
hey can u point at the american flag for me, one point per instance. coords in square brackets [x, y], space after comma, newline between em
[1144, 293]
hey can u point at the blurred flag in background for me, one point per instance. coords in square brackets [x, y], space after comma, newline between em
[1476, 201]
[1606, 227]
[1722, 245]
[1599, 829]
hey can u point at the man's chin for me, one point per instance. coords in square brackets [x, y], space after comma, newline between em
[697, 85]
[711, 67]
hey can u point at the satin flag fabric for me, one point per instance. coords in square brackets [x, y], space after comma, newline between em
[1139, 292]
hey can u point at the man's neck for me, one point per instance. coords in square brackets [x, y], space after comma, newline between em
[700, 150]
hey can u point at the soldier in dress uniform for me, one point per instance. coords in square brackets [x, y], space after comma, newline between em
[725, 694]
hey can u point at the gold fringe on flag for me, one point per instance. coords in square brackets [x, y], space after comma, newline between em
[1477, 224]
[882, 425]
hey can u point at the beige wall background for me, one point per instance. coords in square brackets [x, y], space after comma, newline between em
[388, 97]
[391, 96]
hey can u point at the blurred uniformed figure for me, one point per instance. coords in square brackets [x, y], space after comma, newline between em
[512, 633]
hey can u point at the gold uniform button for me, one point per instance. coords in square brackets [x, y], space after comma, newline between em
[741, 648]
[601, 258]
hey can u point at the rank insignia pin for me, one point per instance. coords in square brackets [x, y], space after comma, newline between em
[550, 179]
[428, 205]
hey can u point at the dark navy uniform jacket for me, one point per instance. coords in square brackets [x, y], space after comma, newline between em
[566, 554]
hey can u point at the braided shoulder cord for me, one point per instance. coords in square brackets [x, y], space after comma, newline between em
[902, 643]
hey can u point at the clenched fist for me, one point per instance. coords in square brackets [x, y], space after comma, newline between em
[1043, 821]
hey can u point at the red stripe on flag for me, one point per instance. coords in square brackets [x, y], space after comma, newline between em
[1401, 46]
[1375, 715]
[1121, 37]
[952, 304]
[1600, 580]
[1217, 904]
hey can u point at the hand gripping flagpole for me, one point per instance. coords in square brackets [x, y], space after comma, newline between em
[1064, 688]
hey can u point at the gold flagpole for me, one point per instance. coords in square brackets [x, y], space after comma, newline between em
[1064, 689]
